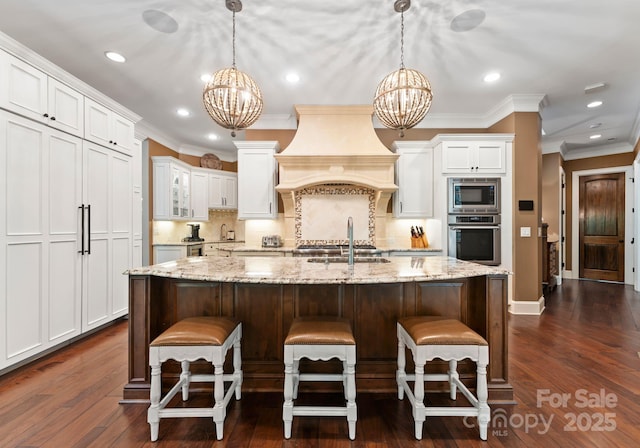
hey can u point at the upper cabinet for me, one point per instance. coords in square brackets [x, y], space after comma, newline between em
[199, 194]
[171, 189]
[186, 193]
[257, 173]
[414, 177]
[478, 155]
[105, 127]
[31, 93]
[223, 190]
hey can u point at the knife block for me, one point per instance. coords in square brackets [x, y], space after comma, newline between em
[419, 242]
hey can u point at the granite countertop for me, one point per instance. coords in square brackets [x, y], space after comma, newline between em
[298, 270]
[192, 243]
[286, 249]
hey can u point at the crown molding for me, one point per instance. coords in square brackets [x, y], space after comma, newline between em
[276, 121]
[27, 55]
[198, 151]
[145, 130]
[599, 151]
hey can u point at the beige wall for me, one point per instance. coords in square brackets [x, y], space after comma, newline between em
[527, 181]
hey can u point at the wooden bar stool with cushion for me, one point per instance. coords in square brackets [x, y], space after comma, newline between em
[431, 337]
[319, 338]
[208, 338]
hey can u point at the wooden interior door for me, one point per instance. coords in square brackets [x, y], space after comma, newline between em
[602, 227]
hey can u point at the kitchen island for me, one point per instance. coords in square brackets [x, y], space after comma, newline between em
[267, 293]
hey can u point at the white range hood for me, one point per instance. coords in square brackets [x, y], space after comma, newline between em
[335, 158]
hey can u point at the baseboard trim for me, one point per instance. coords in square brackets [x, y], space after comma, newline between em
[532, 308]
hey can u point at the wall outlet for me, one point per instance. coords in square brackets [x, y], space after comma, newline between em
[525, 232]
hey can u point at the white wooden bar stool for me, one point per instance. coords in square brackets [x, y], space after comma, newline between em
[319, 338]
[431, 337]
[208, 338]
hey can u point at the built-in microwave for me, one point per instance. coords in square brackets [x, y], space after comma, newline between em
[474, 195]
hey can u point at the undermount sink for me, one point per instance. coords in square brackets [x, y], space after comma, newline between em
[346, 260]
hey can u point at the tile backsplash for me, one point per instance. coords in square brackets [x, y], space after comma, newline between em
[174, 231]
[251, 231]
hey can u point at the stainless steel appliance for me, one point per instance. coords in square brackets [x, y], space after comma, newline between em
[475, 238]
[194, 250]
[474, 195]
[272, 241]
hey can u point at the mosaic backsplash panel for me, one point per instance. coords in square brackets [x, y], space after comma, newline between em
[321, 214]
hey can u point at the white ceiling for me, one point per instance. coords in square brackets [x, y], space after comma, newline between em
[342, 48]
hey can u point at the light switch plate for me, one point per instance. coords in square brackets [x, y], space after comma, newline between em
[525, 232]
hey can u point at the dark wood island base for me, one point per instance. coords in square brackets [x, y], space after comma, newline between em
[267, 310]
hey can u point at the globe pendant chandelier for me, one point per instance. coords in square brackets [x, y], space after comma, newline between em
[403, 97]
[232, 98]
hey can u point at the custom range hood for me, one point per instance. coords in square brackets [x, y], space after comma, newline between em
[336, 145]
[335, 167]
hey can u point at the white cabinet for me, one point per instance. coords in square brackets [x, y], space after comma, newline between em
[65, 237]
[199, 194]
[30, 92]
[223, 190]
[414, 177]
[164, 253]
[40, 267]
[171, 189]
[474, 157]
[257, 173]
[108, 234]
[105, 127]
[185, 193]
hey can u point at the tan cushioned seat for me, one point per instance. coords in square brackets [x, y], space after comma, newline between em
[433, 330]
[197, 331]
[321, 330]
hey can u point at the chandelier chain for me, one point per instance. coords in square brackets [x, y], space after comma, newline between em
[233, 40]
[402, 39]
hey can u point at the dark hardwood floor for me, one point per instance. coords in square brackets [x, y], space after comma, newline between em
[575, 371]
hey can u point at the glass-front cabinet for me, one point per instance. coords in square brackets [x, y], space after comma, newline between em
[171, 189]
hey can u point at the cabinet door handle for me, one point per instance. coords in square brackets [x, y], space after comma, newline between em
[81, 251]
[89, 229]
[53, 118]
[269, 207]
[45, 115]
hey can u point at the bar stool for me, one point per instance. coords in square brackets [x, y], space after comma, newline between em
[208, 338]
[319, 338]
[431, 337]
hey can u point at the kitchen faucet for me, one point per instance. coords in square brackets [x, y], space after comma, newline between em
[223, 232]
[350, 237]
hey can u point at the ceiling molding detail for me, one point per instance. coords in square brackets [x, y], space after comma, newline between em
[585, 153]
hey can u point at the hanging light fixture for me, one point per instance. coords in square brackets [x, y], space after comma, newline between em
[403, 97]
[232, 98]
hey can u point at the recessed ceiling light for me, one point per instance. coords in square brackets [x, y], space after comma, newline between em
[205, 77]
[595, 125]
[593, 104]
[183, 112]
[491, 77]
[213, 137]
[115, 57]
[595, 136]
[292, 78]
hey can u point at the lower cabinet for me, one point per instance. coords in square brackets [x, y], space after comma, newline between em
[162, 253]
[65, 237]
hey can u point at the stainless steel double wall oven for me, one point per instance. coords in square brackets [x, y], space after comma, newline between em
[474, 219]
